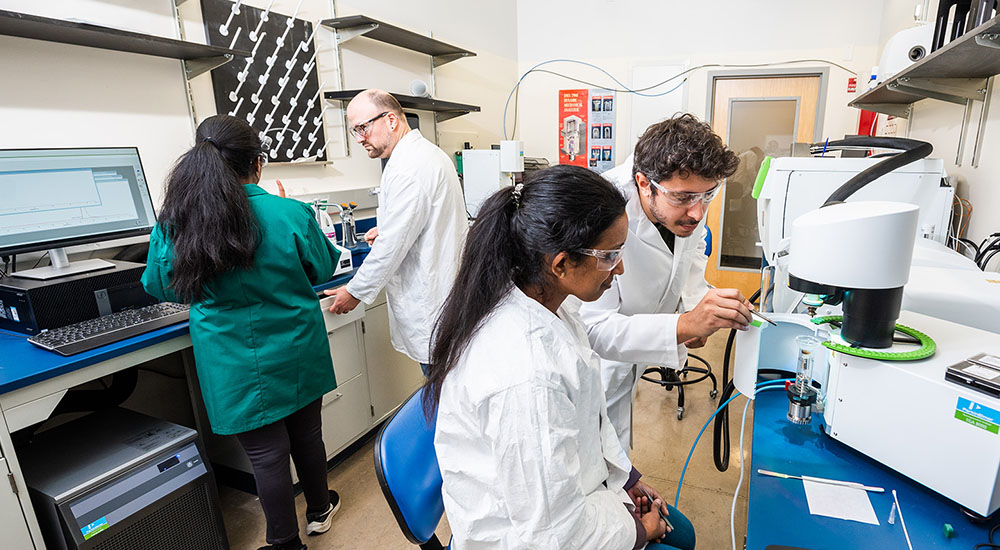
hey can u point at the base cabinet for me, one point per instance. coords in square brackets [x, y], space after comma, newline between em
[392, 375]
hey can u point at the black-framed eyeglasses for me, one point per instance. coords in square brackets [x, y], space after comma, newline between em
[363, 128]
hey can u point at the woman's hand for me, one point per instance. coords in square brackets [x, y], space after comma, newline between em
[281, 189]
[642, 504]
[655, 527]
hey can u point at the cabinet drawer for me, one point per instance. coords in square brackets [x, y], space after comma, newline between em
[334, 321]
[346, 414]
[346, 349]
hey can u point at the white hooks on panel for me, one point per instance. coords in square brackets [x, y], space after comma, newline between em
[224, 29]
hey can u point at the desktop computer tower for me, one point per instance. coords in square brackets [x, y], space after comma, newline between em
[117, 479]
[31, 306]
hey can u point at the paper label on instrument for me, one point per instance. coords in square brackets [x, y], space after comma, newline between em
[990, 360]
[981, 372]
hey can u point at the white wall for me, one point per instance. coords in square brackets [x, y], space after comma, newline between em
[368, 63]
[940, 124]
[59, 95]
[621, 34]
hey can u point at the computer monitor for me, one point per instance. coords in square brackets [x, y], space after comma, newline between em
[53, 198]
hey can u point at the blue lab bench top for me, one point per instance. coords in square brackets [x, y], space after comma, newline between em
[23, 364]
[778, 511]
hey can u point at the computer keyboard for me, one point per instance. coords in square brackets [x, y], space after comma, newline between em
[93, 333]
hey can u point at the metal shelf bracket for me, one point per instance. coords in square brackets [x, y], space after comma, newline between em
[194, 67]
[988, 40]
[447, 115]
[439, 60]
[347, 33]
[900, 110]
[952, 90]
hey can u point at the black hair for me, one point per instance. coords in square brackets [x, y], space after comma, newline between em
[206, 213]
[682, 146]
[559, 209]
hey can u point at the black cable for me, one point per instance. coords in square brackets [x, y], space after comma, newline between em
[971, 244]
[912, 150]
[986, 260]
[720, 433]
[40, 258]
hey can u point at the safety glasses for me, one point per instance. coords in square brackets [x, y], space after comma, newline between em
[362, 129]
[683, 199]
[607, 260]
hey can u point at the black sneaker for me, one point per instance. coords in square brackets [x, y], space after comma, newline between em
[317, 524]
[294, 544]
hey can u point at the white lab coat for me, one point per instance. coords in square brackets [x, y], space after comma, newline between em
[634, 323]
[421, 229]
[527, 454]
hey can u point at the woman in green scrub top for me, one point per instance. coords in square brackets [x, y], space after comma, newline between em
[247, 261]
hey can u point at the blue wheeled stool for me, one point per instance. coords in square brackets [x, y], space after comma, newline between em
[407, 470]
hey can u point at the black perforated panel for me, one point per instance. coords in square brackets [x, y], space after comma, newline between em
[190, 522]
[279, 91]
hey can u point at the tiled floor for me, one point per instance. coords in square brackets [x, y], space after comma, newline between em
[662, 444]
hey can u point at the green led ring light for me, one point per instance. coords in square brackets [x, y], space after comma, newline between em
[927, 345]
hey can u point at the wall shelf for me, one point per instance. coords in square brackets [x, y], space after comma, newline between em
[443, 110]
[352, 26]
[959, 72]
[197, 58]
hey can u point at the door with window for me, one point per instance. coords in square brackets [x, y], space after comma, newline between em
[757, 116]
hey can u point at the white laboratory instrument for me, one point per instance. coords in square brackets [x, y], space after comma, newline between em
[903, 49]
[481, 177]
[942, 282]
[905, 414]
[930, 411]
[486, 171]
[794, 186]
[345, 264]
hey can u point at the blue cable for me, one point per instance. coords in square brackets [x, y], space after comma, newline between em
[761, 386]
[827, 142]
[618, 82]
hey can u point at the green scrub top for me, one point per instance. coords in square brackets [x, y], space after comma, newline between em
[259, 339]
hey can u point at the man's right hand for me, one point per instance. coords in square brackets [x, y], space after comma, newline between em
[720, 308]
[371, 235]
[655, 526]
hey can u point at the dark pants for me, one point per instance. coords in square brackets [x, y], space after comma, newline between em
[298, 434]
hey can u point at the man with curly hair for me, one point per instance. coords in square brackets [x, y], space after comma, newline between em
[662, 305]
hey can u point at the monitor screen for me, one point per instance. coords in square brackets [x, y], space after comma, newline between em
[53, 198]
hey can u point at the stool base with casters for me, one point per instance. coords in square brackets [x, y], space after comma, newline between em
[671, 378]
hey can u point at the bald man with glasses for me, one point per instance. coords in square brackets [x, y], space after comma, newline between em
[421, 229]
[662, 304]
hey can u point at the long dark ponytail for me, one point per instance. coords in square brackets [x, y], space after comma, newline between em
[563, 208]
[206, 212]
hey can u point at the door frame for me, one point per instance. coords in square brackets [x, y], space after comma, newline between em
[824, 81]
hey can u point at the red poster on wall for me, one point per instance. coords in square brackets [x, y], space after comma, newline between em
[573, 127]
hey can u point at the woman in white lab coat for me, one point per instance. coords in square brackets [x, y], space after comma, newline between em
[528, 456]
